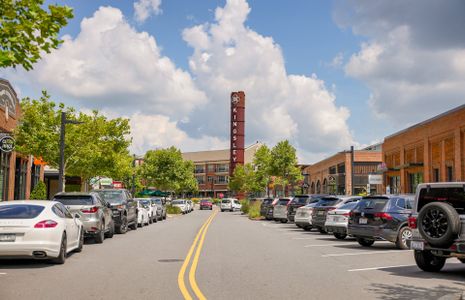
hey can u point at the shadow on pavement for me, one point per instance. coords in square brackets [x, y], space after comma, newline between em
[455, 272]
[379, 247]
[408, 292]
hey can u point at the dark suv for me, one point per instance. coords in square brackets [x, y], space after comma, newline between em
[381, 218]
[321, 209]
[299, 201]
[123, 206]
[266, 208]
[438, 224]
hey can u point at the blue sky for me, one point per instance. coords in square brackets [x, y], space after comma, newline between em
[337, 59]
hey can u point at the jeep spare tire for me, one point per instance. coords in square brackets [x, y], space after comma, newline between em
[439, 224]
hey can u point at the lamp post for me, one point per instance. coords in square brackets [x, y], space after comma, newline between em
[61, 169]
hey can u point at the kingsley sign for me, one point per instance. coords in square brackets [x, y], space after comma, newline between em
[237, 129]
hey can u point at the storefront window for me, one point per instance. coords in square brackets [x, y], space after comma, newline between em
[414, 180]
[394, 183]
[4, 175]
[20, 179]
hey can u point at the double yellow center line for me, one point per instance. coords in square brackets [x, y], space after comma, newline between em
[198, 242]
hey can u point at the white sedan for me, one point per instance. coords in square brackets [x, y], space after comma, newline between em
[39, 229]
[142, 214]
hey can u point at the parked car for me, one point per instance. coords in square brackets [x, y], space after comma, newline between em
[267, 206]
[150, 207]
[321, 209]
[304, 214]
[227, 204]
[337, 220]
[191, 205]
[438, 225]
[161, 208]
[299, 201]
[182, 204]
[96, 214]
[206, 204]
[124, 208]
[381, 218]
[143, 217]
[40, 230]
[236, 204]
[280, 210]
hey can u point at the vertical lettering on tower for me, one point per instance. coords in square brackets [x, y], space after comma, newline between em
[237, 130]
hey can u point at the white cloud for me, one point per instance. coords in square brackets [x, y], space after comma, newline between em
[414, 59]
[143, 9]
[228, 56]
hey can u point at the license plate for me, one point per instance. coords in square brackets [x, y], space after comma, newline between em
[363, 221]
[7, 237]
[415, 245]
[320, 213]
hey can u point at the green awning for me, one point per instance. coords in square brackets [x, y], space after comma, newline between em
[153, 193]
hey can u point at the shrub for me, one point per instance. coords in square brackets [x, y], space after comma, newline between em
[245, 206]
[254, 210]
[196, 200]
[173, 210]
[39, 192]
[216, 201]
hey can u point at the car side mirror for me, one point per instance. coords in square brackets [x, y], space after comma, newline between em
[108, 205]
[77, 216]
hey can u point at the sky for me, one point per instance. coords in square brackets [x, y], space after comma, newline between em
[323, 74]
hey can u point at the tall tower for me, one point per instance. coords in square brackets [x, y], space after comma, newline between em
[237, 130]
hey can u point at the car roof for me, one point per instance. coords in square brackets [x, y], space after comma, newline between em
[75, 194]
[391, 196]
[30, 202]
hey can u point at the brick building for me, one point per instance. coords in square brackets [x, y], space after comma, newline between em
[429, 151]
[18, 173]
[333, 174]
[212, 169]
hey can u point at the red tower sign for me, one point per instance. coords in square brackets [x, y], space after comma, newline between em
[237, 129]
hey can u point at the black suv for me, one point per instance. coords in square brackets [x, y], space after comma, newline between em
[299, 201]
[438, 224]
[382, 218]
[123, 206]
[266, 208]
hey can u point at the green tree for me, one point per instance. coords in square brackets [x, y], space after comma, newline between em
[98, 146]
[187, 181]
[27, 30]
[262, 165]
[244, 179]
[39, 192]
[284, 165]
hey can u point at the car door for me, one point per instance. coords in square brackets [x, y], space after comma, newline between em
[72, 227]
[132, 207]
[105, 210]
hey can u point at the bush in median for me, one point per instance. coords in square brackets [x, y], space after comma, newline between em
[254, 210]
[173, 210]
[39, 192]
[245, 206]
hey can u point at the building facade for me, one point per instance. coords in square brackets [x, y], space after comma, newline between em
[212, 169]
[19, 174]
[333, 175]
[430, 151]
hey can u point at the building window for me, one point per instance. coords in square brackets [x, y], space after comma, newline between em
[450, 173]
[200, 179]
[4, 175]
[20, 179]
[222, 168]
[394, 184]
[221, 180]
[210, 178]
[35, 176]
[436, 175]
[341, 169]
[199, 169]
[332, 170]
[211, 168]
[414, 180]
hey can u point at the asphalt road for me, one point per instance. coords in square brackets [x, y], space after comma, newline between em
[237, 259]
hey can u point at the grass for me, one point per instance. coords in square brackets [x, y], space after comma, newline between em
[254, 210]
[173, 210]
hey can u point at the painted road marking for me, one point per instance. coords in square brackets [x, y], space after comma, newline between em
[181, 284]
[303, 238]
[325, 245]
[2, 273]
[380, 268]
[365, 253]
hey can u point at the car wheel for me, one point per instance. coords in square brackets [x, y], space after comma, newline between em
[284, 220]
[111, 230]
[428, 262]
[222, 210]
[322, 230]
[308, 228]
[62, 256]
[405, 233]
[164, 217]
[123, 227]
[211, 208]
[100, 236]
[151, 219]
[439, 224]
[340, 236]
[365, 242]
[134, 225]
[81, 241]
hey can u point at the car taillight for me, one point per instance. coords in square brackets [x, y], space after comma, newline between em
[346, 214]
[351, 214]
[90, 210]
[383, 215]
[412, 222]
[331, 208]
[46, 224]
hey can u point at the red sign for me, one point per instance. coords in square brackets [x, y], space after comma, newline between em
[237, 129]
[118, 184]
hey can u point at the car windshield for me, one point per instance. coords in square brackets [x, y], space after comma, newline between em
[74, 200]
[145, 202]
[112, 196]
[268, 201]
[350, 205]
[226, 201]
[454, 196]
[205, 201]
[20, 211]
[300, 199]
[178, 202]
[376, 204]
[329, 202]
[283, 201]
[157, 201]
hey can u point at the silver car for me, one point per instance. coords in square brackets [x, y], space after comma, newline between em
[337, 220]
[280, 210]
[96, 214]
[161, 208]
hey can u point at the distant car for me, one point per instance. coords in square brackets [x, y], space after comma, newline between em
[123, 206]
[161, 208]
[191, 205]
[150, 207]
[382, 218]
[299, 201]
[206, 204]
[96, 213]
[142, 214]
[320, 210]
[337, 220]
[40, 230]
[280, 210]
[304, 214]
[227, 204]
[267, 206]
[236, 204]
[182, 204]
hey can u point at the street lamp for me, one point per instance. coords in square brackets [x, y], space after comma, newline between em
[61, 170]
